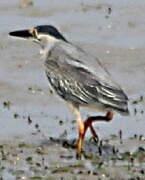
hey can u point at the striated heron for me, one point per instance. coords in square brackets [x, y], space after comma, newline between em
[77, 77]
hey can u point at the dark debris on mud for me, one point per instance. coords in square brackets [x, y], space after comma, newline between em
[55, 159]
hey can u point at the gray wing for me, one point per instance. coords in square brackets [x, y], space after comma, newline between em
[80, 78]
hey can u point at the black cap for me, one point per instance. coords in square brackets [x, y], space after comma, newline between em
[51, 30]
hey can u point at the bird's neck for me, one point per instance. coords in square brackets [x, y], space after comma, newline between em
[46, 46]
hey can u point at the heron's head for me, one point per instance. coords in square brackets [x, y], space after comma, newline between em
[45, 35]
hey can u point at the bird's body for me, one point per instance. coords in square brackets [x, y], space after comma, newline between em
[81, 79]
[78, 77]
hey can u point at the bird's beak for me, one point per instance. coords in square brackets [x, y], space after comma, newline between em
[26, 34]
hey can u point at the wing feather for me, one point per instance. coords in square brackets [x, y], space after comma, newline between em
[81, 78]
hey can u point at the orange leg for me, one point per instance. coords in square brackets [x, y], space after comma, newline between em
[83, 126]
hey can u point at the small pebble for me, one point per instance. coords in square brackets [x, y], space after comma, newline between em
[95, 173]
[109, 10]
[132, 48]
[142, 171]
[120, 136]
[38, 164]
[142, 111]
[45, 167]
[29, 120]
[23, 177]
[7, 104]
[135, 136]
[141, 137]
[135, 111]
[109, 26]
[60, 122]
[25, 3]
[107, 52]
[36, 126]
[16, 116]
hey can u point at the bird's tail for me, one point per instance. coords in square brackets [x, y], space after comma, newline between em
[114, 99]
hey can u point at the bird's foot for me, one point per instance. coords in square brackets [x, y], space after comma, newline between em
[83, 126]
[89, 121]
[94, 137]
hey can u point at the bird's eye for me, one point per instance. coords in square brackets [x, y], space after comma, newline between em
[34, 33]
